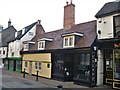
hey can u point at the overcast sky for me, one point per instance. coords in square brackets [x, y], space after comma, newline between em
[50, 12]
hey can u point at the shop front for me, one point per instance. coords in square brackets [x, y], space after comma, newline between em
[77, 65]
[111, 61]
[14, 64]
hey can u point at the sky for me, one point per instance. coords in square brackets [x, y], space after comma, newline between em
[25, 12]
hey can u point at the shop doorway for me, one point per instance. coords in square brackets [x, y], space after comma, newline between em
[108, 64]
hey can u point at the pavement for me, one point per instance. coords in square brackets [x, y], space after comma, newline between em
[49, 82]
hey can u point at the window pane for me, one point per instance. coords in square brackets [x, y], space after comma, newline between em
[66, 41]
[83, 59]
[35, 65]
[87, 59]
[70, 41]
[25, 64]
[39, 65]
[117, 21]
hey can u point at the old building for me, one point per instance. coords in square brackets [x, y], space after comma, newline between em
[108, 32]
[16, 45]
[6, 35]
[67, 54]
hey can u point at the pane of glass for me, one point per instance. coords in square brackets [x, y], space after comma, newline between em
[88, 59]
[117, 29]
[66, 41]
[117, 64]
[83, 59]
[70, 41]
[117, 21]
[39, 66]
[35, 65]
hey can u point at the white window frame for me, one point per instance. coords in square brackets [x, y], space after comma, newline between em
[41, 45]
[68, 43]
[38, 66]
[25, 64]
[26, 46]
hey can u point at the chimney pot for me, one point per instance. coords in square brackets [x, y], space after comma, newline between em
[39, 21]
[9, 23]
[67, 2]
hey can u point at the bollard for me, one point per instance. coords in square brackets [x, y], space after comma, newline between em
[24, 73]
[60, 87]
[37, 76]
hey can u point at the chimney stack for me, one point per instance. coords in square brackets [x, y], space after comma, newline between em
[39, 28]
[69, 15]
[9, 23]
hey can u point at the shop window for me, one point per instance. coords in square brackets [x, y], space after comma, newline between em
[85, 59]
[117, 64]
[117, 26]
[58, 64]
[83, 67]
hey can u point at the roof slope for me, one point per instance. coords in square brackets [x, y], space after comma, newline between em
[27, 28]
[108, 9]
[88, 29]
[8, 35]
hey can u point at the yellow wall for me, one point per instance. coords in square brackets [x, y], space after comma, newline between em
[44, 58]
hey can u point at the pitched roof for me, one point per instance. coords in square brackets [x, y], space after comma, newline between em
[108, 9]
[8, 35]
[27, 28]
[88, 29]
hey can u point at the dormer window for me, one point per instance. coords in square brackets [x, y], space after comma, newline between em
[42, 43]
[69, 39]
[26, 45]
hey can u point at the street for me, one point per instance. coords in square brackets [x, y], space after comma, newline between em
[14, 80]
[10, 81]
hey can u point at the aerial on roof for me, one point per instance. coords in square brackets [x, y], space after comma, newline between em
[109, 9]
[8, 35]
[87, 32]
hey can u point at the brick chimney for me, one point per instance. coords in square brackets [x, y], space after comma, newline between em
[69, 15]
[39, 28]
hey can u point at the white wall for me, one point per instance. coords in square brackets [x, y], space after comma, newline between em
[3, 49]
[100, 68]
[106, 27]
[17, 45]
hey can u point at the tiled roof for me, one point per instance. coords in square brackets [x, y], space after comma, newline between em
[8, 35]
[88, 29]
[27, 28]
[108, 9]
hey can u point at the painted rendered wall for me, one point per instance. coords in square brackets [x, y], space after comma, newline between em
[106, 27]
[44, 58]
[100, 68]
[17, 45]
[2, 49]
